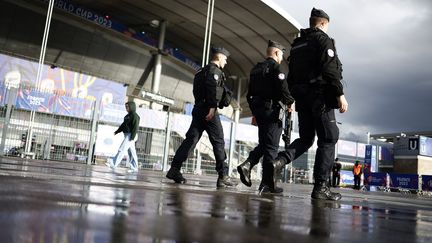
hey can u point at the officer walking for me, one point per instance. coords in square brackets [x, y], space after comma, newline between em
[267, 90]
[209, 93]
[314, 78]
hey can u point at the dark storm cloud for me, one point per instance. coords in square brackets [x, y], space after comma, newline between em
[385, 47]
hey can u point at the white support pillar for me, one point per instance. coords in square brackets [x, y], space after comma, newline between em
[208, 31]
[39, 71]
[92, 142]
[167, 142]
[233, 133]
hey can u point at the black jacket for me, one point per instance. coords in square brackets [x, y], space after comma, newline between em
[267, 82]
[314, 60]
[131, 121]
[208, 86]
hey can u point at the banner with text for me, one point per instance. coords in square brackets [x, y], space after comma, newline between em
[427, 183]
[407, 181]
[375, 179]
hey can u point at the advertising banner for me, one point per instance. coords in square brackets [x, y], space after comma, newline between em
[55, 104]
[371, 162]
[427, 183]
[361, 150]
[107, 144]
[347, 177]
[385, 154]
[15, 72]
[407, 181]
[114, 113]
[425, 146]
[347, 148]
[375, 179]
[69, 106]
[34, 100]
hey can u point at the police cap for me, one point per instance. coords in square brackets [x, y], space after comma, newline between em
[319, 13]
[276, 45]
[220, 50]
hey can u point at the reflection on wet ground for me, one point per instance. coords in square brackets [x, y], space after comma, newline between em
[46, 201]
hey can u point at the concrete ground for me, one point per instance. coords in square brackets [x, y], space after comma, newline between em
[47, 201]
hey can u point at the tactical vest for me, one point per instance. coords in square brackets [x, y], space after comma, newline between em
[258, 84]
[304, 61]
[199, 85]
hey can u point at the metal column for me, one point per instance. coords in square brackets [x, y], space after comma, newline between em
[10, 103]
[158, 61]
[208, 31]
[234, 130]
[40, 69]
[167, 142]
[95, 119]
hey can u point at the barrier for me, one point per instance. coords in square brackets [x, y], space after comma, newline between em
[404, 181]
[426, 181]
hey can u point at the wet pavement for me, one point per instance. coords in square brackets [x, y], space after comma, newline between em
[46, 201]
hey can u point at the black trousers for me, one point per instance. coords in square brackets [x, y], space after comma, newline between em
[193, 135]
[357, 181]
[322, 123]
[255, 155]
[336, 179]
[269, 133]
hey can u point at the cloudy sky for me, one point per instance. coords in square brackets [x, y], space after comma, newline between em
[386, 50]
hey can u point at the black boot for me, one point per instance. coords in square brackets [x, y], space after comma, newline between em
[268, 182]
[176, 175]
[322, 191]
[264, 188]
[225, 181]
[244, 170]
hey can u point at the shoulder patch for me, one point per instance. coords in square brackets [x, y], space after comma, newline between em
[281, 76]
[216, 77]
[330, 52]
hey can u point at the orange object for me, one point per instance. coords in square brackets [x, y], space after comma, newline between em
[357, 169]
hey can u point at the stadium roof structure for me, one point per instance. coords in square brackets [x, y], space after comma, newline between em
[242, 26]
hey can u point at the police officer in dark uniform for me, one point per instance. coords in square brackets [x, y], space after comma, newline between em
[210, 93]
[337, 166]
[267, 90]
[314, 78]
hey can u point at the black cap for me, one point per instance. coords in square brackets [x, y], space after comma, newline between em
[276, 45]
[319, 13]
[220, 50]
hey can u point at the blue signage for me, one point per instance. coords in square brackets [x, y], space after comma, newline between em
[55, 104]
[426, 183]
[407, 181]
[375, 179]
[34, 100]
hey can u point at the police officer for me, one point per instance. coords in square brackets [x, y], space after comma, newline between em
[337, 166]
[209, 92]
[314, 78]
[267, 90]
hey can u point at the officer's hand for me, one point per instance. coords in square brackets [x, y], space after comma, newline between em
[254, 122]
[291, 108]
[343, 104]
[210, 114]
